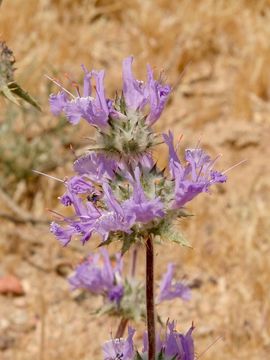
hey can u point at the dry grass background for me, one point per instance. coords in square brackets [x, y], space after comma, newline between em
[216, 54]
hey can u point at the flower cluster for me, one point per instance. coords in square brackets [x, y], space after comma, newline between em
[102, 279]
[99, 276]
[114, 201]
[99, 110]
[118, 187]
[122, 124]
[119, 193]
[169, 289]
[173, 346]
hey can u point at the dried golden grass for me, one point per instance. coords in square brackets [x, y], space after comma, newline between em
[223, 49]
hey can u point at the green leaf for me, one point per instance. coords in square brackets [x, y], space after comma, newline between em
[160, 355]
[138, 356]
[106, 242]
[18, 91]
[122, 104]
[126, 244]
[177, 237]
[5, 91]
[169, 232]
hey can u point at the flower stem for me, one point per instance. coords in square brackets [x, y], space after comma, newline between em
[121, 328]
[150, 305]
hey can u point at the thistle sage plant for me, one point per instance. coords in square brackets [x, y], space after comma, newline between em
[119, 193]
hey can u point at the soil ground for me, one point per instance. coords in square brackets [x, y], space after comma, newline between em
[216, 55]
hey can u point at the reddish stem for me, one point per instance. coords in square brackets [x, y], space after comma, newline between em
[121, 328]
[150, 304]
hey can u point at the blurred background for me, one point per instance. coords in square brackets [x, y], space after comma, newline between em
[216, 56]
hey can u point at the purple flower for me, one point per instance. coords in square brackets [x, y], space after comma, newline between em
[58, 102]
[64, 235]
[100, 279]
[89, 219]
[97, 166]
[113, 219]
[158, 95]
[116, 293]
[94, 110]
[76, 185]
[170, 290]
[138, 94]
[139, 205]
[98, 111]
[193, 178]
[120, 348]
[140, 99]
[175, 345]
[77, 108]
[133, 90]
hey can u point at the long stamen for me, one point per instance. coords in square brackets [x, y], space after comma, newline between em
[212, 163]
[210, 166]
[199, 142]
[97, 95]
[199, 173]
[178, 142]
[73, 84]
[208, 347]
[60, 216]
[49, 176]
[77, 88]
[85, 69]
[232, 167]
[61, 87]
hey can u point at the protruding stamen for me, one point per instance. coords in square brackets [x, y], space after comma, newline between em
[77, 88]
[58, 84]
[58, 215]
[73, 84]
[180, 137]
[199, 142]
[212, 163]
[208, 347]
[49, 176]
[232, 167]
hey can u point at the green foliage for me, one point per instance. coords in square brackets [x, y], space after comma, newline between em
[9, 88]
[25, 144]
[14, 88]
[166, 231]
[132, 305]
[159, 356]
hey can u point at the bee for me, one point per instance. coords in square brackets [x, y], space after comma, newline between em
[119, 356]
[93, 198]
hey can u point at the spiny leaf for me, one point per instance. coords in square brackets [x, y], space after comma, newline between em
[122, 104]
[170, 233]
[160, 355]
[177, 237]
[5, 91]
[126, 245]
[106, 242]
[138, 356]
[17, 90]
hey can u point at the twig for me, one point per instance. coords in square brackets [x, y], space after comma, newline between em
[23, 221]
[22, 215]
[121, 328]
[150, 302]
